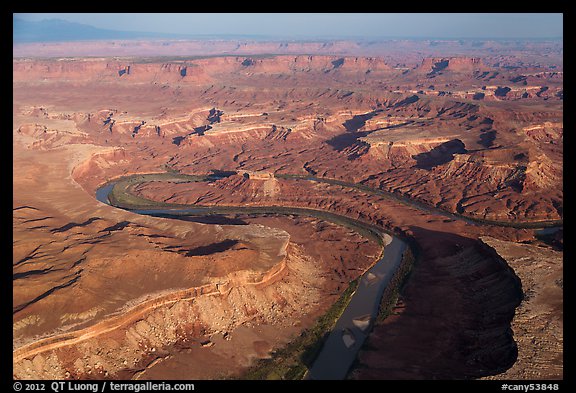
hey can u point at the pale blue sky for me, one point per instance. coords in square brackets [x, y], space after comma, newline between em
[329, 25]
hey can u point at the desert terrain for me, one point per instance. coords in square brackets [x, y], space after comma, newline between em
[456, 148]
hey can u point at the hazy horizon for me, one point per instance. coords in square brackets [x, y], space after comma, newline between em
[325, 26]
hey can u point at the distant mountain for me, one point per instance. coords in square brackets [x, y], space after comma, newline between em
[53, 30]
[60, 30]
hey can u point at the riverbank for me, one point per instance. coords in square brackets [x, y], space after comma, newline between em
[403, 199]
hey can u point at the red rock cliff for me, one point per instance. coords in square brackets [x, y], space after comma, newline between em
[198, 71]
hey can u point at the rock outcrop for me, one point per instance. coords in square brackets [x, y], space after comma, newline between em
[433, 66]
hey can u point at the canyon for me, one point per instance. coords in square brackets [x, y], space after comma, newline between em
[461, 155]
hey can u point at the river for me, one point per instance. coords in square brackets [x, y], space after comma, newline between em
[342, 345]
[355, 323]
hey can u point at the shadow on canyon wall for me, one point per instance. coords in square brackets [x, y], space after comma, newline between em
[439, 155]
[467, 294]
